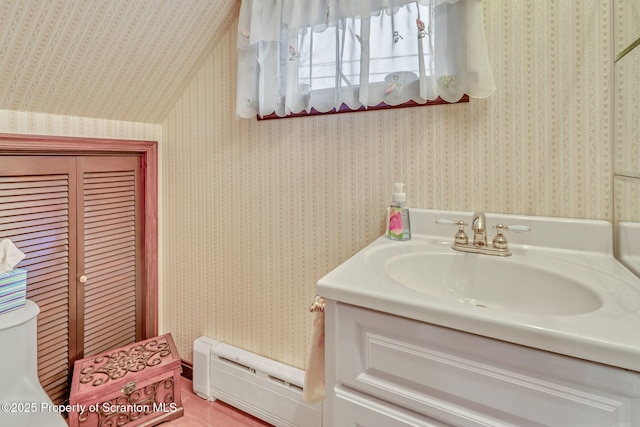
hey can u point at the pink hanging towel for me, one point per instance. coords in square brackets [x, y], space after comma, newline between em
[313, 390]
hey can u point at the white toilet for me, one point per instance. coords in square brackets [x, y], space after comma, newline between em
[23, 401]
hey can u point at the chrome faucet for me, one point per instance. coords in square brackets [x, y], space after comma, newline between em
[479, 227]
[499, 245]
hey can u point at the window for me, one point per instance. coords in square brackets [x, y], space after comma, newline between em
[298, 56]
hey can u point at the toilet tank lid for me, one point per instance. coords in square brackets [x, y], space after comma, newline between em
[19, 316]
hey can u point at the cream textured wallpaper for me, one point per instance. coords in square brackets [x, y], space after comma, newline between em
[254, 213]
[60, 125]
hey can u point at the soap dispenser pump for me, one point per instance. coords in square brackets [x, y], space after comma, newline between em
[398, 223]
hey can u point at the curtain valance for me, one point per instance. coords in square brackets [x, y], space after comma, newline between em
[295, 55]
[263, 19]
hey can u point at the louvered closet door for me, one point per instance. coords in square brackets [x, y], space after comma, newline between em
[37, 211]
[109, 253]
[78, 220]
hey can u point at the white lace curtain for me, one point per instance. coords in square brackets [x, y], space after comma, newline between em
[299, 55]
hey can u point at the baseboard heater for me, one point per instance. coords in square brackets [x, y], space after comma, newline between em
[264, 388]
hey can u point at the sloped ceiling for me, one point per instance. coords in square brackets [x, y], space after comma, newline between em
[124, 60]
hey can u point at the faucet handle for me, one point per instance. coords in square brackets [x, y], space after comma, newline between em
[514, 228]
[461, 236]
[449, 222]
[500, 242]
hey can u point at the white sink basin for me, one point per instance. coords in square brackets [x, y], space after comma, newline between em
[561, 290]
[493, 282]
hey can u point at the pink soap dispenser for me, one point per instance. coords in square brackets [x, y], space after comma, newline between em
[398, 223]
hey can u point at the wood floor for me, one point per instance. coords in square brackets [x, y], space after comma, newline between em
[202, 413]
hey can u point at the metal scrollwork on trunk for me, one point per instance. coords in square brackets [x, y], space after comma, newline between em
[131, 406]
[119, 363]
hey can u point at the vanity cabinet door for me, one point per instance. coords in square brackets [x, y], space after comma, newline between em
[468, 380]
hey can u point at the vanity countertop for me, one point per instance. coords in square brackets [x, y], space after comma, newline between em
[583, 249]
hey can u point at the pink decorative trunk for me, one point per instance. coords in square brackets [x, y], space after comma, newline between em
[135, 385]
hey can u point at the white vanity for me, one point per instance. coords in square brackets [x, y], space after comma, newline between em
[418, 334]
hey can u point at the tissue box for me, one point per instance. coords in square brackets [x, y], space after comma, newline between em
[134, 385]
[13, 289]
